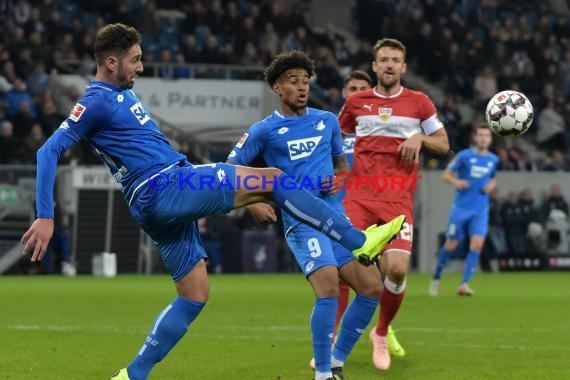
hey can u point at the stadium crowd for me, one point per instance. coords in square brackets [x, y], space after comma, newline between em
[471, 49]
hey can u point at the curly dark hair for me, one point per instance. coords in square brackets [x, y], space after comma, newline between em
[114, 39]
[294, 59]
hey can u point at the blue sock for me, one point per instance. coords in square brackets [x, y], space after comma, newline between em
[307, 208]
[442, 260]
[471, 264]
[168, 328]
[322, 323]
[354, 322]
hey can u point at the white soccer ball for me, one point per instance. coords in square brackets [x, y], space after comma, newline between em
[509, 113]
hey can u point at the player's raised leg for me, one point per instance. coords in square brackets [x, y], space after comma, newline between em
[254, 185]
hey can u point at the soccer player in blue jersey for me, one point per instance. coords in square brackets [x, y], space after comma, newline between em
[472, 173]
[166, 194]
[356, 80]
[306, 143]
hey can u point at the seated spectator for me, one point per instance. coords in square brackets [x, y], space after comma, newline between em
[24, 62]
[269, 37]
[48, 117]
[554, 201]
[526, 164]
[557, 162]
[211, 51]
[18, 95]
[38, 80]
[166, 69]
[190, 49]
[550, 128]
[529, 210]
[296, 40]
[34, 141]
[11, 148]
[328, 77]
[22, 120]
[505, 163]
[485, 85]
[181, 70]
[514, 224]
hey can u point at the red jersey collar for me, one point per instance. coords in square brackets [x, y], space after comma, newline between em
[388, 96]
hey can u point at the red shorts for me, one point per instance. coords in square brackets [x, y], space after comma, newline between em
[363, 213]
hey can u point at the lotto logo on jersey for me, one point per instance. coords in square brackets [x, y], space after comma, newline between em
[384, 113]
[303, 147]
[140, 113]
[76, 112]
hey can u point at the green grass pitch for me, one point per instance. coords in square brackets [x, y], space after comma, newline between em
[517, 326]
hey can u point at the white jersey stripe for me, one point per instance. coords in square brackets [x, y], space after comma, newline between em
[307, 218]
[396, 126]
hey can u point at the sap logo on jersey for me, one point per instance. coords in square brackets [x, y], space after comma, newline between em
[303, 147]
[348, 145]
[140, 113]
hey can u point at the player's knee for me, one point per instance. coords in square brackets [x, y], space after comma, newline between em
[476, 247]
[373, 290]
[327, 292]
[476, 244]
[397, 274]
[451, 245]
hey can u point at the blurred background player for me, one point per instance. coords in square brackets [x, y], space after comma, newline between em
[392, 125]
[306, 143]
[472, 173]
[165, 193]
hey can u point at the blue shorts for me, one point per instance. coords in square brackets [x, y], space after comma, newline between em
[168, 209]
[470, 222]
[313, 249]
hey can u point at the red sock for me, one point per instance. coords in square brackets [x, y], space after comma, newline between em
[389, 305]
[343, 295]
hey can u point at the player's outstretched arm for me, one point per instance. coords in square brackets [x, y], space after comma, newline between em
[38, 237]
[41, 231]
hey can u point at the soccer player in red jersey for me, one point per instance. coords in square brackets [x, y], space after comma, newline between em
[355, 81]
[392, 125]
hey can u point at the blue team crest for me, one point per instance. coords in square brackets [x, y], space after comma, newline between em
[320, 125]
